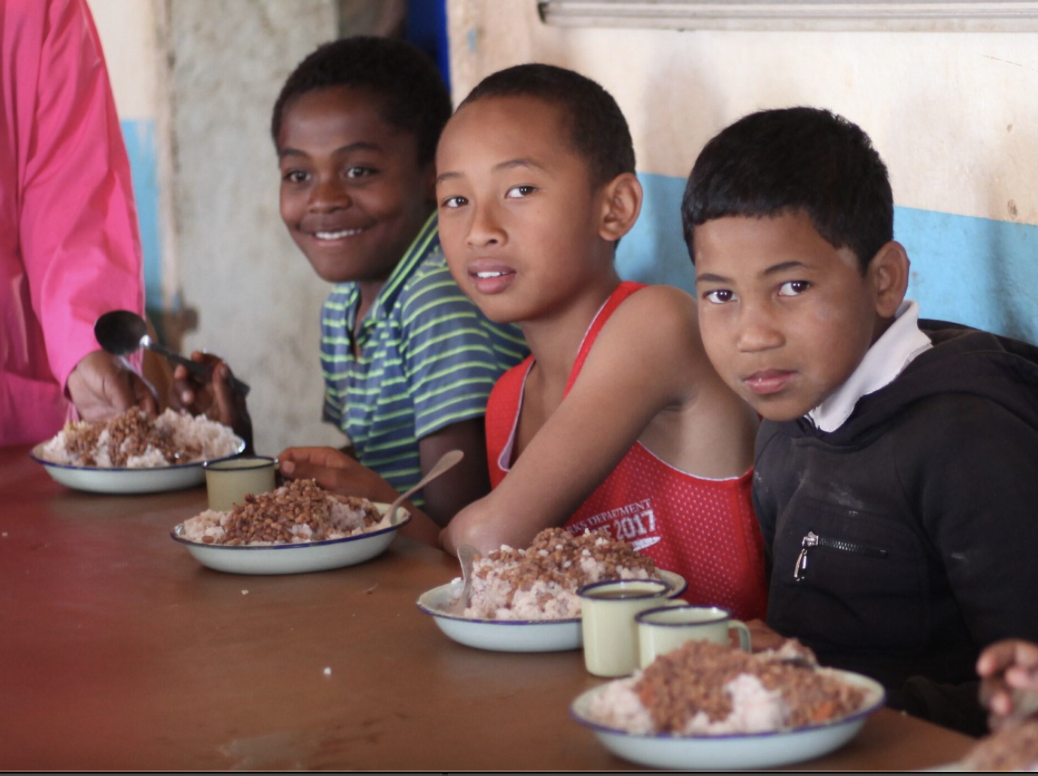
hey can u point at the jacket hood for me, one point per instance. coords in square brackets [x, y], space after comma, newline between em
[962, 360]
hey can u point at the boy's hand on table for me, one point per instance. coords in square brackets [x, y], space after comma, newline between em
[214, 398]
[336, 471]
[762, 637]
[103, 385]
[1008, 672]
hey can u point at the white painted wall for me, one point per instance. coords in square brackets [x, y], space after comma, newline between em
[128, 36]
[955, 115]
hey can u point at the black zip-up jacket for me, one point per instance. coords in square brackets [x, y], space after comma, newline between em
[906, 541]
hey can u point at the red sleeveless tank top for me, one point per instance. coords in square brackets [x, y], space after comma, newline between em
[700, 528]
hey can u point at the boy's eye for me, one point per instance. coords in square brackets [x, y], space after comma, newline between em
[720, 296]
[295, 176]
[454, 202]
[359, 172]
[793, 287]
[518, 192]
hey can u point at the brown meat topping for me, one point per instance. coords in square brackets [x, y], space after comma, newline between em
[1013, 748]
[129, 434]
[270, 517]
[691, 679]
[555, 556]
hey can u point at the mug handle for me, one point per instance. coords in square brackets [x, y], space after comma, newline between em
[744, 634]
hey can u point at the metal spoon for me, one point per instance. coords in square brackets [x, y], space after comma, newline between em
[467, 555]
[121, 332]
[448, 460]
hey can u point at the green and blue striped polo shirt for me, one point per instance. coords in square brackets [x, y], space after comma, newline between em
[428, 358]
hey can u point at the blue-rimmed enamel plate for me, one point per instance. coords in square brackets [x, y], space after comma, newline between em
[734, 751]
[513, 635]
[299, 558]
[127, 481]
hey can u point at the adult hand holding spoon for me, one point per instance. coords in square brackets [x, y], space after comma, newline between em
[121, 332]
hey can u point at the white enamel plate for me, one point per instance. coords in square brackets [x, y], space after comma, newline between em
[299, 558]
[513, 635]
[733, 751]
[127, 481]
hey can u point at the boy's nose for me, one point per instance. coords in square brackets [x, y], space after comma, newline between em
[327, 196]
[485, 229]
[758, 330]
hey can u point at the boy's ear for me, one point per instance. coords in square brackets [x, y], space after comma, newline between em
[888, 273]
[621, 204]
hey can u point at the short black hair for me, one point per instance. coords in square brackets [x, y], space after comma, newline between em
[777, 161]
[597, 128]
[397, 73]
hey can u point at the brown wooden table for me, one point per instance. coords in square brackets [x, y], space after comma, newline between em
[119, 651]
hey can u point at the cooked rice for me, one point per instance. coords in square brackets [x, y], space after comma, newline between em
[704, 689]
[1012, 748]
[541, 582]
[135, 440]
[296, 513]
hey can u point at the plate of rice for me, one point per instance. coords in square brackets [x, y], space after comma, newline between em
[135, 452]
[296, 529]
[1013, 747]
[526, 600]
[708, 706]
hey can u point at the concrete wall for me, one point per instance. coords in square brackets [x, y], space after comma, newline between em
[954, 115]
[257, 298]
[194, 82]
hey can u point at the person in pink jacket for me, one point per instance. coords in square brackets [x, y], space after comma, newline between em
[69, 243]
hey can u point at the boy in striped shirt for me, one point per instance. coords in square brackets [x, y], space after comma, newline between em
[408, 359]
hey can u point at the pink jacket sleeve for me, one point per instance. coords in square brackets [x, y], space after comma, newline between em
[78, 230]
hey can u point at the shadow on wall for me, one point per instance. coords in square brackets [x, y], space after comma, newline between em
[976, 271]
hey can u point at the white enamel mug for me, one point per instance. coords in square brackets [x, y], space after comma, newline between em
[663, 629]
[228, 482]
[607, 621]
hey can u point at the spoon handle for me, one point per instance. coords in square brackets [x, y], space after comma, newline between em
[447, 461]
[467, 555]
[198, 370]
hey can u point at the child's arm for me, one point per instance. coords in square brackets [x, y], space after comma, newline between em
[468, 481]
[216, 399]
[338, 472]
[647, 358]
[451, 358]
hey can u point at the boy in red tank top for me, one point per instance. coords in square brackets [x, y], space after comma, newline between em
[617, 420]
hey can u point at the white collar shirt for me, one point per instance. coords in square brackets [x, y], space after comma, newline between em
[896, 348]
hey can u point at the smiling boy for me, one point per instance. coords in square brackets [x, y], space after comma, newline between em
[897, 465]
[408, 360]
[617, 421]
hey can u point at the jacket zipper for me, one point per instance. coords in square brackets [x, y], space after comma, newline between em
[814, 540]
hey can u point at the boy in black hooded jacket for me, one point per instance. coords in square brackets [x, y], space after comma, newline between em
[897, 468]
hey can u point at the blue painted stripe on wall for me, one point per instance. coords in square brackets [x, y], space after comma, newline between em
[976, 271]
[139, 136]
